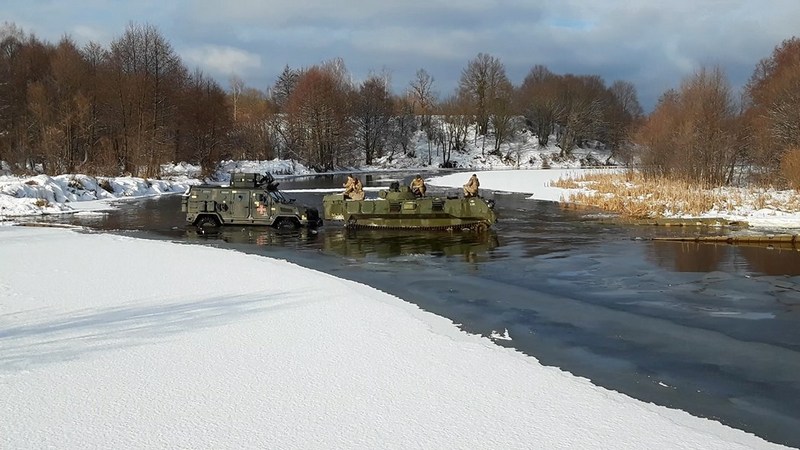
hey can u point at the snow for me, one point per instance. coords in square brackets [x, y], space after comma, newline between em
[114, 342]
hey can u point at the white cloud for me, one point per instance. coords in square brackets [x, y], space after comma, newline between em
[222, 60]
[651, 45]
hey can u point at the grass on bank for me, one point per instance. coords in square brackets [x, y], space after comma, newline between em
[630, 194]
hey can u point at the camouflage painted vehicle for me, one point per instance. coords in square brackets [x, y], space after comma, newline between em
[399, 208]
[250, 199]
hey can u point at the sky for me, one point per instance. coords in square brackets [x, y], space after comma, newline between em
[653, 45]
[108, 341]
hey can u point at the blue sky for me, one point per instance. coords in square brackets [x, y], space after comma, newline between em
[653, 45]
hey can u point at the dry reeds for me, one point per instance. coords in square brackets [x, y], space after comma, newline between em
[631, 194]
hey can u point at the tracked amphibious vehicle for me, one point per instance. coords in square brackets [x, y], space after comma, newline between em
[399, 208]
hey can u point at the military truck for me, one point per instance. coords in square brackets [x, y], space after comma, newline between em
[250, 199]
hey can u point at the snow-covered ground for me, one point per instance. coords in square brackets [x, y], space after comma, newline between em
[113, 342]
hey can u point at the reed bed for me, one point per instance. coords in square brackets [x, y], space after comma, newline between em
[632, 195]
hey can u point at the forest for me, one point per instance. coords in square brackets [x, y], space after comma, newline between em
[134, 105]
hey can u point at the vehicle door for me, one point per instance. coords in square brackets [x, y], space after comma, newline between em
[239, 208]
[262, 207]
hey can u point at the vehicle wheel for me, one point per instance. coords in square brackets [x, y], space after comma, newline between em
[207, 222]
[286, 224]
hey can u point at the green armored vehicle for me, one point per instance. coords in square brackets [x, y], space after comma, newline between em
[399, 208]
[250, 199]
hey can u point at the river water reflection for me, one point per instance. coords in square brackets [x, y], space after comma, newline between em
[711, 329]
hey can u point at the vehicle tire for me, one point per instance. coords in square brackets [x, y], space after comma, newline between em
[286, 223]
[207, 222]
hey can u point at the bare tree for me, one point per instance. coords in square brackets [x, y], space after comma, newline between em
[402, 125]
[204, 122]
[455, 123]
[237, 85]
[256, 133]
[773, 109]
[692, 132]
[581, 107]
[372, 109]
[624, 114]
[503, 115]
[482, 82]
[537, 102]
[422, 96]
[317, 118]
[148, 75]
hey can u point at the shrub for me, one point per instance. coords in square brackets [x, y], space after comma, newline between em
[790, 167]
[31, 183]
[41, 203]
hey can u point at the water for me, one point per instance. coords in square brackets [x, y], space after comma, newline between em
[710, 329]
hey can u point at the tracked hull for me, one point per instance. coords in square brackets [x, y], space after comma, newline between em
[399, 209]
[403, 223]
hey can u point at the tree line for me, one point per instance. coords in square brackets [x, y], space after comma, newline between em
[134, 105]
[702, 132]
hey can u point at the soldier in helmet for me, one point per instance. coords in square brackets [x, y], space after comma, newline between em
[471, 188]
[418, 186]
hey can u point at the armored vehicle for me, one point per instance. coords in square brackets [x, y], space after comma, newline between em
[250, 199]
[399, 208]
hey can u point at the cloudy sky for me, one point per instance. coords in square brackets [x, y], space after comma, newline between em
[651, 44]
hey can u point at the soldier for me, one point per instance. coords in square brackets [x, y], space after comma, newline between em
[418, 186]
[471, 188]
[349, 185]
[358, 190]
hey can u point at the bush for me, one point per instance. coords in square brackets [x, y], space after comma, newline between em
[790, 167]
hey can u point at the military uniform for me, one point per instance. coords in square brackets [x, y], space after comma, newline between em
[471, 188]
[418, 186]
[358, 190]
[349, 186]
